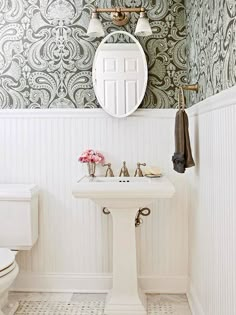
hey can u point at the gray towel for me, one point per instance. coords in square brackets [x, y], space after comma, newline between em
[182, 157]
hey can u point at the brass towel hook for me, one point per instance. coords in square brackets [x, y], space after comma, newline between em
[189, 87]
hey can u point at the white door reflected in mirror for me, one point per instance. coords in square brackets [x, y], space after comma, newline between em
[120, 74]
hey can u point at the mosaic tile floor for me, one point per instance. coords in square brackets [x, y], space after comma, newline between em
[90, 304]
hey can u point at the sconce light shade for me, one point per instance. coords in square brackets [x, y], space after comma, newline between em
[95, 28]
[143, 27]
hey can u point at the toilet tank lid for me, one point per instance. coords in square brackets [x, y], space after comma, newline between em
[18, 191]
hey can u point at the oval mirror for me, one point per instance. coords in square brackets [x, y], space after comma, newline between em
[120, 74]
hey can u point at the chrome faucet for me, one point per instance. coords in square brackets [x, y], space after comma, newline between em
[138, 171]
[124, 171]
[109, 172]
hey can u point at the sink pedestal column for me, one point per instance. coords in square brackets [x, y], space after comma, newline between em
[125, 297]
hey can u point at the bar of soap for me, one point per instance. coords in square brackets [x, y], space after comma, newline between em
[152, 170]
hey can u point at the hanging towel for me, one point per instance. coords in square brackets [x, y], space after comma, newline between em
[182, 157]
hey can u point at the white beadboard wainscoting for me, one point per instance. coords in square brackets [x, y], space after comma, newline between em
[212, 206]
[74, 249]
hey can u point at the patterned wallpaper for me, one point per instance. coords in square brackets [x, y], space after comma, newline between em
[211, 42]
[46, 57]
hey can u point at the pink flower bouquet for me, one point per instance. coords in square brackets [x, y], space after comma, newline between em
[91, 156]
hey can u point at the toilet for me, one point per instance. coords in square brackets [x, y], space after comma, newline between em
[18, 231]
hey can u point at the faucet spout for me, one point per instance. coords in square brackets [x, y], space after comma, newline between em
[124, 171]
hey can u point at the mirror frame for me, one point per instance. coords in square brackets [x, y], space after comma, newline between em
[145, 69]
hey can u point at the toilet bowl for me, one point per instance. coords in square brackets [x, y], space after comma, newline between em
[8, 273]
[18, 231]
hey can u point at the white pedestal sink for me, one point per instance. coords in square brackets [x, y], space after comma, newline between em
[123, 196]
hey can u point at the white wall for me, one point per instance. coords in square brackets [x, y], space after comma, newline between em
[74, 248]
[212, 219]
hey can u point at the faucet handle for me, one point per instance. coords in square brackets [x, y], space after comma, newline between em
[138, 171]
[109, 172]
[139, 164]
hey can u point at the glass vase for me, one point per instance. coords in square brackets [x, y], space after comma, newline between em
[91, 169]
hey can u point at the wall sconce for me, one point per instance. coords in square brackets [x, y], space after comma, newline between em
[120, 17]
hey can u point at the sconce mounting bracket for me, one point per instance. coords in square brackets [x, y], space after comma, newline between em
[120, 18]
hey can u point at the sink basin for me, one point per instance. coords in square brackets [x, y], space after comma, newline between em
[120, 179]
[123, 192]
[123, 196]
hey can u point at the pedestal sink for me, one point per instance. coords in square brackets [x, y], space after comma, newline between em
[123, 196]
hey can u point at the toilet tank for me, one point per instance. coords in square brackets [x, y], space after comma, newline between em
[18, 216]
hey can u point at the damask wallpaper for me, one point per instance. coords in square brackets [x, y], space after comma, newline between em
[211, 42]
[46, 57]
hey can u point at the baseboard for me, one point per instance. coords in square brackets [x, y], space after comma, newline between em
[96, 283]
[161, 284]
[194, 303]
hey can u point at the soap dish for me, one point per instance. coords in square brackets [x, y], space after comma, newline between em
[152, 175]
